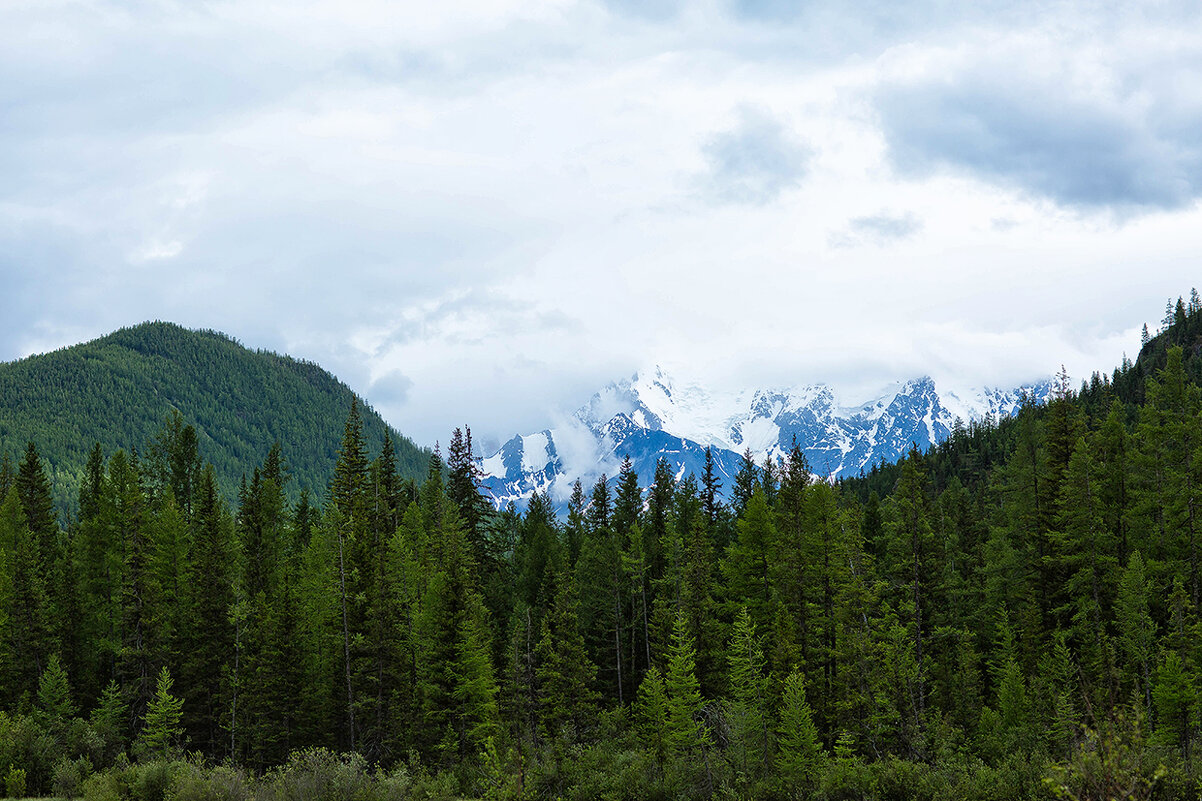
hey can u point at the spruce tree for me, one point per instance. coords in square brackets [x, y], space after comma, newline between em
[747, 481]
[711, 489]
[28, 613]
[799, 753]
[564, 673]
[747, 699]
[463, 488]
[748, 565]
[55, 709]
[208, 637]
[161, 730]
[651, 715]
[684, 731]
[33, 487]
[1136, 630]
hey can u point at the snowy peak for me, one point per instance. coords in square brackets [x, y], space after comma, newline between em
[651, 415]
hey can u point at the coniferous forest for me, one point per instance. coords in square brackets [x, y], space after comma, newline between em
[1014, 614]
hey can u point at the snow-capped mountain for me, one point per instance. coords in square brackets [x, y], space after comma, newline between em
[651, 416]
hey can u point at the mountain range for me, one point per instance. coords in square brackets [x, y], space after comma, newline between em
[652, 415]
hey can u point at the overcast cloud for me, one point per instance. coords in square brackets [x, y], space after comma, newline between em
[480, 211]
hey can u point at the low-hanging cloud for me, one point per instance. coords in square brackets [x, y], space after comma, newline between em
[755, 161]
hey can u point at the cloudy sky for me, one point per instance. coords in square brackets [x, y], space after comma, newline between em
[479, 211]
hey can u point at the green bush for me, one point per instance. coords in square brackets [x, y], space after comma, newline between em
[224, 783]
[430, 787]
[69, 775]
[605, 773]
[145, 781]
[14, 782]
[317, 774]
[26, 746]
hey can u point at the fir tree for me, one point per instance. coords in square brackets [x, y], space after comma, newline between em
[463, 488]
[747, 481]
[161, 728]
[564, 673]
[684, 730]
[799, 754]
[711, 489]
[748, 565]
[1137, 632]
[747, 698]
[651, 710]
[28, 613]
[55, 709]
[208, 637]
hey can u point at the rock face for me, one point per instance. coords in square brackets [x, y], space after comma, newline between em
[651, 416]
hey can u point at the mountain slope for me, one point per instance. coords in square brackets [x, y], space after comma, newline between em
[117, 390]
[651, 415]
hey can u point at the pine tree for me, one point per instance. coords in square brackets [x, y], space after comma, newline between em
[651, 714]
[463, 488]
[1137, 631]
[711, 489]
[28, 613]
[911, 546]
[110, 720]
[564, 674]
[748, 565]
[55, 709]
[161, 728]
[747, 481]
[208, 639]
[684, 732]
[799, 754]
[747, 699]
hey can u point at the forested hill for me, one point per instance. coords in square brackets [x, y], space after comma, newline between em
[972, 452]
[120, 389]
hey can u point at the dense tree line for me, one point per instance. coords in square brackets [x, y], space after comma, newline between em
[1021, 625]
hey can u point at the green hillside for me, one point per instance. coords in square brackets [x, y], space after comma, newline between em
[118, 390]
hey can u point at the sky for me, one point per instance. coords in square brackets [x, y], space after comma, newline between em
[480, 211]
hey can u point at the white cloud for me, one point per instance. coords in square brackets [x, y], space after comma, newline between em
[479, 212]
